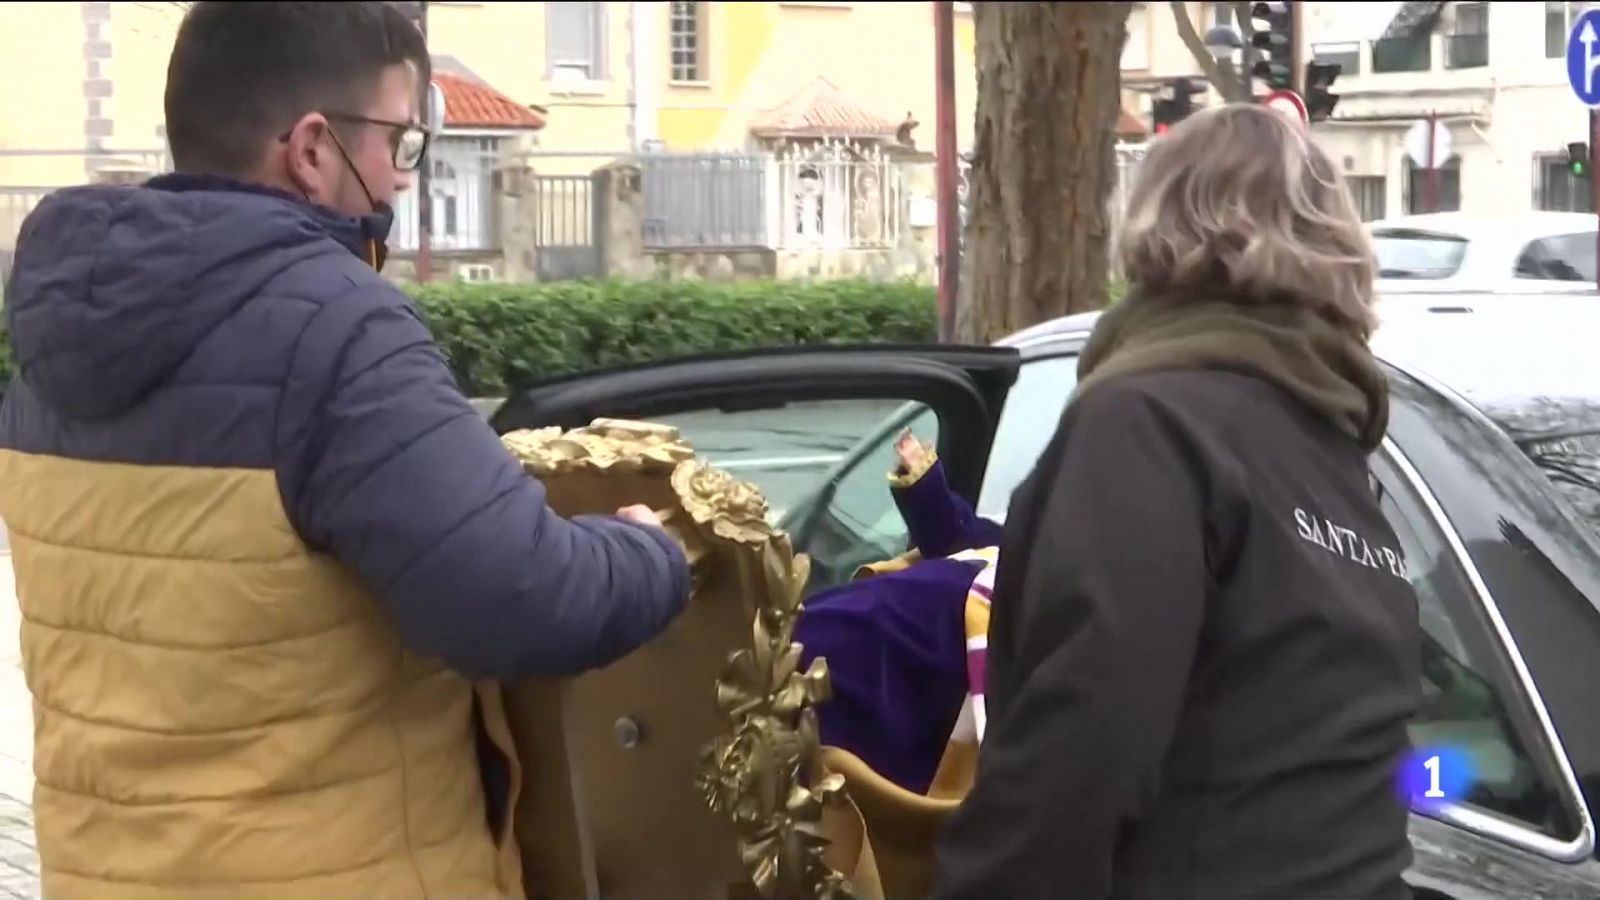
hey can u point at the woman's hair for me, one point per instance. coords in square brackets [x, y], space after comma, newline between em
[1239, 198]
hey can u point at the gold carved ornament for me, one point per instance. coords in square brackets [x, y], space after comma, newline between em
[761, 776]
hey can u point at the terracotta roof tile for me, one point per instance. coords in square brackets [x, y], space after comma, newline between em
[820, 109]
[1131, 126]
[468, 104]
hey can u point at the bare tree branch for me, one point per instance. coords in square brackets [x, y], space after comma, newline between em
[1220, 72]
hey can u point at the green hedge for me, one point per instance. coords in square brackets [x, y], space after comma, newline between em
[495, 335]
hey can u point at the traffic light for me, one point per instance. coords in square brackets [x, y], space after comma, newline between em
[1168, 111]
[1319, 100]
[1578, 159]
[1273, 37]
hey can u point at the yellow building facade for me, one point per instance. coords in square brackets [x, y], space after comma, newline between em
[749, 58]
[91, 75]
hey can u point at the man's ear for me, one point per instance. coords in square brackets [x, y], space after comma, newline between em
[306, 149]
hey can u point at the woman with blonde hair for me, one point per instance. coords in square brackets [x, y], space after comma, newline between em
[1204, 649]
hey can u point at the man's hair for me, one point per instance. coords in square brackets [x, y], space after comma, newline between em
[1242, 193]
[242, 72]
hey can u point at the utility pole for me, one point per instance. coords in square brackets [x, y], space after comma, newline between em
[1297, 64]
[1430, 190]
[424, 192]
[1594, 181]
[948, 232]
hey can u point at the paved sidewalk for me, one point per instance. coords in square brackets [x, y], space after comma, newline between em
[19, 860]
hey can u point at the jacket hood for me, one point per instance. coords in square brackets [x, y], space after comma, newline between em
[113, 287]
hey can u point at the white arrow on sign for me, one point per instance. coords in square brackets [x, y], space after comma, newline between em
[1589, 39]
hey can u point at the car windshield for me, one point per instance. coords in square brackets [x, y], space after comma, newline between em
[1409, 253]
[1533, 375]
[1561, 437]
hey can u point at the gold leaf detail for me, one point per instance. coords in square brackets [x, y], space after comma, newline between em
[759, 775]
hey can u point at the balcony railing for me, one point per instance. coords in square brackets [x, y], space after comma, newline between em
[1402, 54]
[1466, 51]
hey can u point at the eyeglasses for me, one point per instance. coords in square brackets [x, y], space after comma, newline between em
[408, 141]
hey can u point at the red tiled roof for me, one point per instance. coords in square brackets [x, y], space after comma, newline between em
[468, 104]
[1131, 126]
[820, 109]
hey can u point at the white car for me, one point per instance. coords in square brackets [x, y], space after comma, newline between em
[1533, 253]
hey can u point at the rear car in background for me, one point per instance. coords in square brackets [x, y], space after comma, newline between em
[1535, 253]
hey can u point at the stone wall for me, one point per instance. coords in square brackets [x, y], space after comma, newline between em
[446, 265]
[620, 238]
[721, 264]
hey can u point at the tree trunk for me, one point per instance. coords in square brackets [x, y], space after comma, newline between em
[1049, 94]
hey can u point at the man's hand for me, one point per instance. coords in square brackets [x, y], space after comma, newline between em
[910, 451]
[640, 514]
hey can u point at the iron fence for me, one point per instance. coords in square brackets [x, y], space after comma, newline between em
[28, 176]
[565, 227]
[465, 204]
[838, 195]
[705, 199]
[1129, 158]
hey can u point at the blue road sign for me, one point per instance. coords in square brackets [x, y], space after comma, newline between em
[1583, 58]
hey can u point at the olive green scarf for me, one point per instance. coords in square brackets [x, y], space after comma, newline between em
[1323, 363]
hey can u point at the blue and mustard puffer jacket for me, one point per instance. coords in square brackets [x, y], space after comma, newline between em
[257, 532]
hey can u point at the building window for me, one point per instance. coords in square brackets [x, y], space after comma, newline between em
[1403, 54]
[1468, 46]
[1448, 185]
[688, 34]
[1371, 195]
[1558, 18]
[574, 41]
[1136, 47]
[1557, 190]
[1347, 56]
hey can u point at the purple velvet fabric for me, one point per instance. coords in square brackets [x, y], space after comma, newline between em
[896, 644]
[897, 651]
[941, 522]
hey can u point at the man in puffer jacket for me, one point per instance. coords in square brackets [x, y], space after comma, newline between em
[261, 539]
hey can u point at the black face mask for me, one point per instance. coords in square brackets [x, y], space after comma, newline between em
[376, 225]
[375, 233]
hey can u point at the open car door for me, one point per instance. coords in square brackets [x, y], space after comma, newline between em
[813, 428]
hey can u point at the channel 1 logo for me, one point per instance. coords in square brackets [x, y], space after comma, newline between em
[1434, 777]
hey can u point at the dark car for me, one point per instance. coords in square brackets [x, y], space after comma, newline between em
[1490, 475]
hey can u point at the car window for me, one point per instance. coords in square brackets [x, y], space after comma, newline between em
[1567, 257]
[786, 451]
[848, 517]
[1032, 412]
[1408, 253]
[862, 502]
[1470, 701]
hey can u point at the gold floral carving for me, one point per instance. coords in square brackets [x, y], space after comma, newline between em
[762, 775]
[605, 445]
